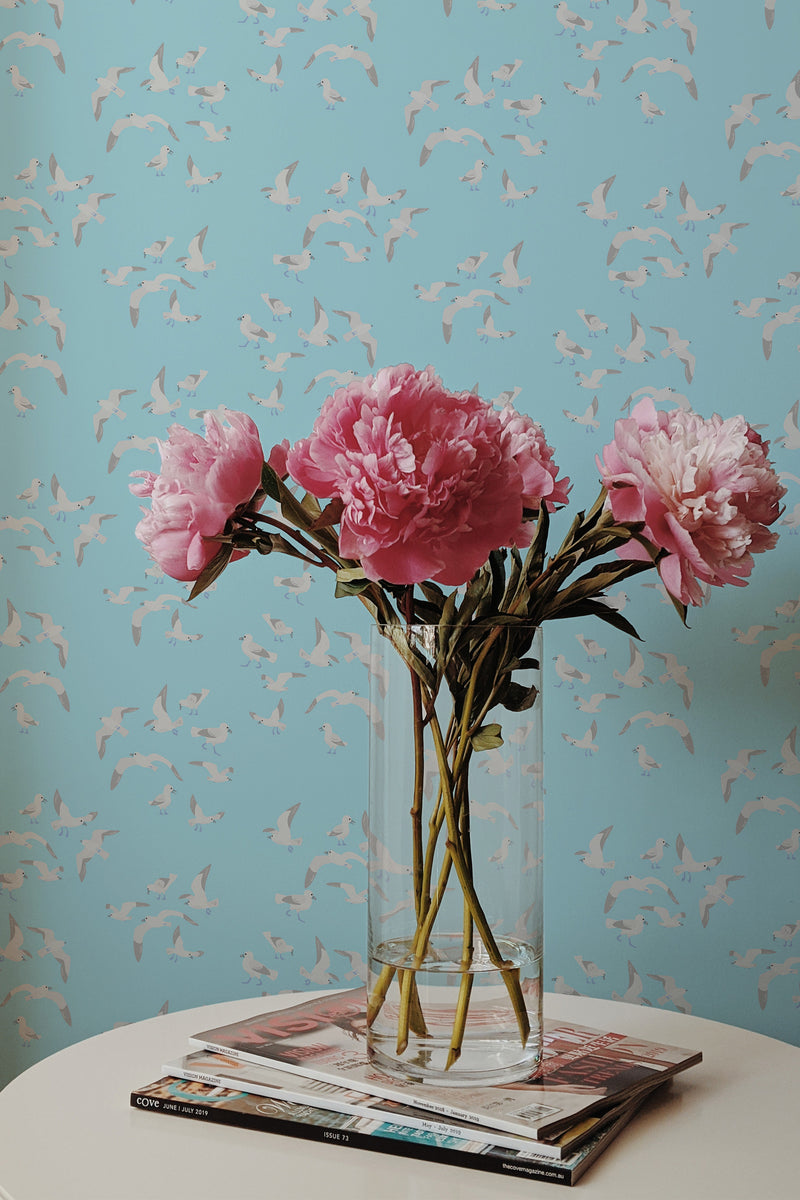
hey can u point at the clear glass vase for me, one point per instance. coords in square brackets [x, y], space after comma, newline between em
[455, 853]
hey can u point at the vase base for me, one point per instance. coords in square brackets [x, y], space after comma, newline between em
[497, 1044]
[427, 1065]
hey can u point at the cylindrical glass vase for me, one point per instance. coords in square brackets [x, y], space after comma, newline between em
[455, 853]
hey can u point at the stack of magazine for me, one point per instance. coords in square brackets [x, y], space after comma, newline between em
[303, 1071]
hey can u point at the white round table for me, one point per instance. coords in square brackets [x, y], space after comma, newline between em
[724, 1130]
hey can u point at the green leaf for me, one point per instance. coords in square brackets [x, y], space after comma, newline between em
[433, 593]
[350, 581]
[612, 537]
[513, 579]
[517, 698]
[311, 505]
[211, 571]
[303, 515]
[512, 621]
[330, 515]
[594, 583]
[488, 737]
[425, 613]
[371, 608]
[291, 508]
[535, 557]
[397, 636]
[447, 633]
[497, 565]
[455, 618]
[680, 608]
[596, 608]
[573, 531]
[270, 482]
[606, 575]
[486, 604]
[534, 560]
[449, 610]
[527, 664]
[350, 574]
[280, 544]
[476, 590]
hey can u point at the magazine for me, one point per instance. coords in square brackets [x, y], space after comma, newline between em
[238, 1075]
[215, 1105]
[582, 1071]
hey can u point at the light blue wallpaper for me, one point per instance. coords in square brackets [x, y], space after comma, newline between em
[234, 203]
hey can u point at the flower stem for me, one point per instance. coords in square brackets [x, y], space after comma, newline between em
[410, 1015]
[320, 558]
[450, 811]
[378, 994]
[407, 607]
[464, 992]
[420, 949]
[510, 974]
[460, 1021]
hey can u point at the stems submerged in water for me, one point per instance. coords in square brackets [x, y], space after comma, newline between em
[471, 685]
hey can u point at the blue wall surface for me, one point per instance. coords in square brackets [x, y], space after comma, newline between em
[620, 199]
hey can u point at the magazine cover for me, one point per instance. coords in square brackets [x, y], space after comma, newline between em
[203, 1101]
[236, 1074]
[583, 1069]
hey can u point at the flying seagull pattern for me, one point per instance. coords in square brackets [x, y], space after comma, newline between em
[334, 200]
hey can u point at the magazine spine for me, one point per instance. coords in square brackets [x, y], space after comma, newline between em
[552, 1172]
[492, 1137]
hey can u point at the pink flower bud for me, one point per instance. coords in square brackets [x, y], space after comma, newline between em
[277, 457]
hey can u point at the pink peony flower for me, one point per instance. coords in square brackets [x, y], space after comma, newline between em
[704, 489]
[431, 481]
[203, 481]
[525, 442]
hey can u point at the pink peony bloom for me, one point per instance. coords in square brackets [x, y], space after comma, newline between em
[704, 489]
[429, 479]
[525, 442]
[203, 481]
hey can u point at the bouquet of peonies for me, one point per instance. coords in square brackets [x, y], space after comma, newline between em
[433, 507]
